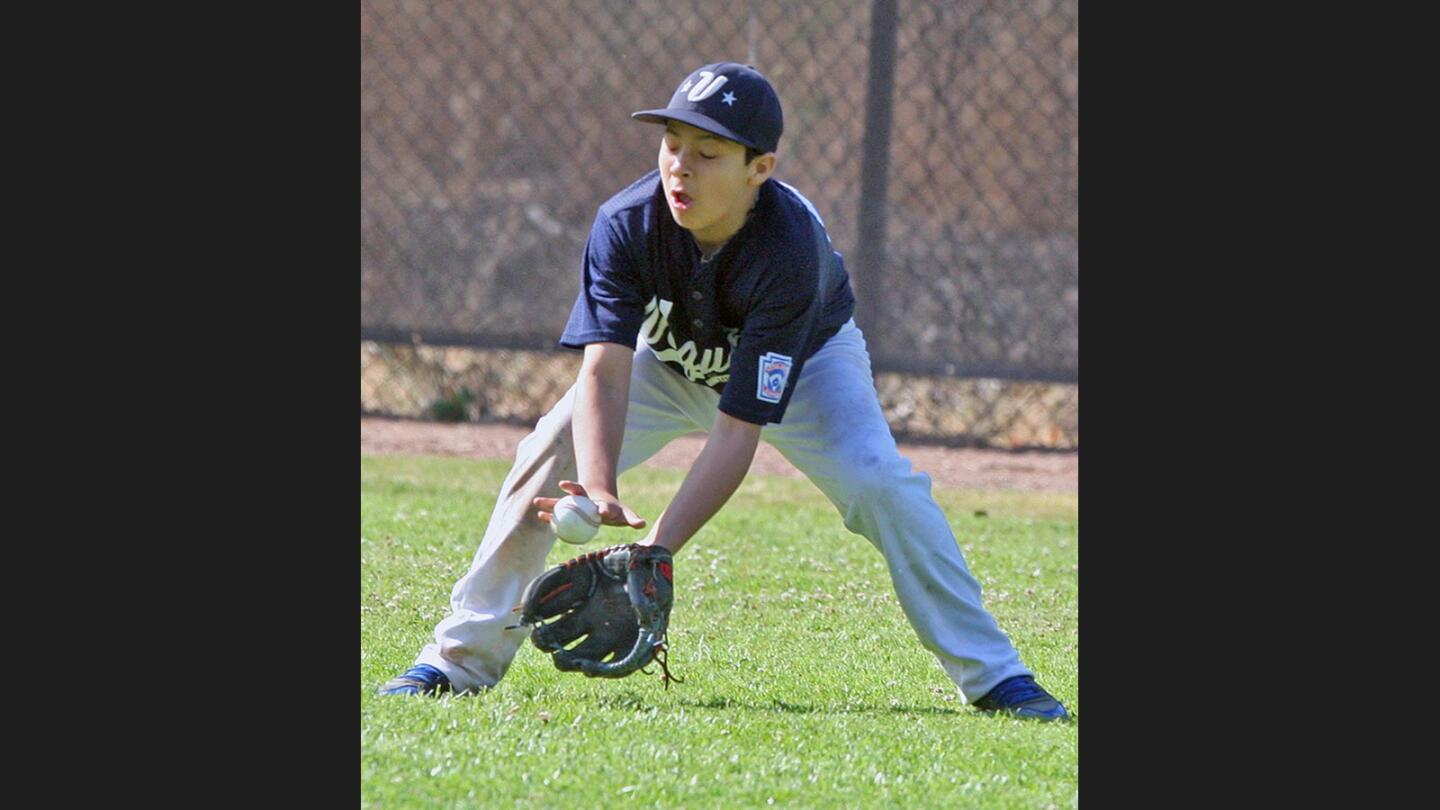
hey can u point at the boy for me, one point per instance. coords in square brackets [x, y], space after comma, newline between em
[711, 299]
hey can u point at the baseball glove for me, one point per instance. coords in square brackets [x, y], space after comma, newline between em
[617, 598]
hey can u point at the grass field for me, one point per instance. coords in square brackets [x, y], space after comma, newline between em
[804, 684]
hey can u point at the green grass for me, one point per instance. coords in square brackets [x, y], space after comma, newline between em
[804, 684]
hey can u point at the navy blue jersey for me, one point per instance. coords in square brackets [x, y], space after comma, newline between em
[743, 323]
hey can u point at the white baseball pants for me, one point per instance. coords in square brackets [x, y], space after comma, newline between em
[834, 432]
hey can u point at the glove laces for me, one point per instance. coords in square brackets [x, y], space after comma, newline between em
[660, 652]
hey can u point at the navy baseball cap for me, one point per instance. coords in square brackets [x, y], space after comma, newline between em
[731, 100]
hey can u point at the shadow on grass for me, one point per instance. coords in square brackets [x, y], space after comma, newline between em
[627, 700]
[640, 701]
[776, 705]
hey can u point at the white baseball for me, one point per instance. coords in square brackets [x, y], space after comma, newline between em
[576, 519]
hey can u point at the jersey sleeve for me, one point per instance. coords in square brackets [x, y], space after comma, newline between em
[611, 304]
[774, 342]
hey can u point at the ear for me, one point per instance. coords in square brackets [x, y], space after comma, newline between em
[761, 168]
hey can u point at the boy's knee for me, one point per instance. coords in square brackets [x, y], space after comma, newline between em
[868, 476]
[875, 482]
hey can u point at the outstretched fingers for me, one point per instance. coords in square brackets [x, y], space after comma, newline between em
[612, 512]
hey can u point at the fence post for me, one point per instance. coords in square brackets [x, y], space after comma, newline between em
[868, 276]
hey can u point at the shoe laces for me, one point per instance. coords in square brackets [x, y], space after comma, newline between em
[1016, 691]
[426, 673]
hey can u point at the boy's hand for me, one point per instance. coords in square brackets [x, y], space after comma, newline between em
[612, 512]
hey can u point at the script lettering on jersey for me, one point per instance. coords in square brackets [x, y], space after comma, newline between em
[709, 367]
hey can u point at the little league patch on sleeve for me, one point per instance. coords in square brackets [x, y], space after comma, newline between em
[774, 370]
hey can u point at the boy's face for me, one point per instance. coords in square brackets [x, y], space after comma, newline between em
[708, 185]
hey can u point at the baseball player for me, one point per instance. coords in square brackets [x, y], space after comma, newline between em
[711, 299]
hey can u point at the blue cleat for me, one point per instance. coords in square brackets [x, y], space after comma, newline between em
[1022, 697]
[421, 679]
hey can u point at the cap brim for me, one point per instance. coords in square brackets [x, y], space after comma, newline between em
[692, 118]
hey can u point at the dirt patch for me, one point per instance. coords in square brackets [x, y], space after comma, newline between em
[967, 468]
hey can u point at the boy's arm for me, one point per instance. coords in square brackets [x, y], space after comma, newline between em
[712, 479]
[602, 395]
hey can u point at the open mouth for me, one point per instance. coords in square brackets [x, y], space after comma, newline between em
[681, 200]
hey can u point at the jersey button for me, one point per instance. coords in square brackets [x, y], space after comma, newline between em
[699, 324]
[697, 295]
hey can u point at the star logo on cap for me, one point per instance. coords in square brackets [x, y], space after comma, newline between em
[729, 99]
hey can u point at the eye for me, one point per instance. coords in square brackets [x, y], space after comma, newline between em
[708, 157]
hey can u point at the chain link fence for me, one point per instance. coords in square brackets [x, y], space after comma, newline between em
[938, 139]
